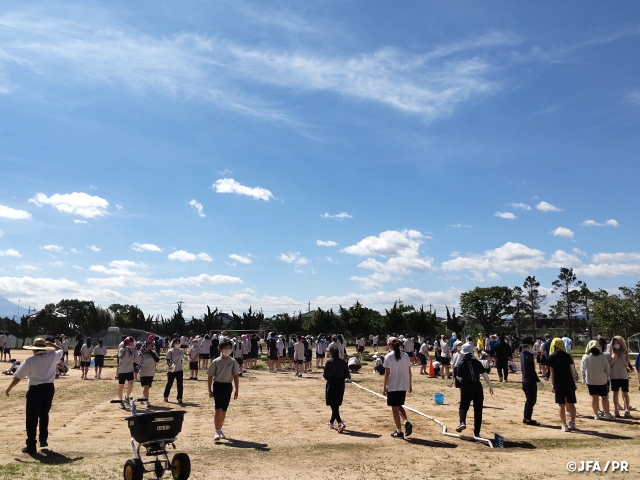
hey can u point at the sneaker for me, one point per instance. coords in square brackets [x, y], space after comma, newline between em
[29, 450]
[180, 401]
[607, 416]
[397, 434]
[330, 425]
[148, 403]
[461, 427]
[341, 427]
[565, 428]
[216, 437]
[166, 399]
[627, 414]
[221, 434]
[572, 425]
[596, 417]
[408, 428]
[95, 376]
[122, 405]
[43, 444]
[616, 413]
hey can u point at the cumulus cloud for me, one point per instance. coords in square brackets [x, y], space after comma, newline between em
[197, 206]
[76, 203]
[293, 258]
[229, 185]
[10, 253]
[507, 215]
[81, 221]
[523, 206]
[30, 268]
[146, 247]
[1, 233]
[94, 248]
[547, 207]
[53, 248]
[327, 243]
[401, 249]
[240, 258]
[563, 232]
[185, 256]
[592, 223]
[459, 225]
[337, 216]
[13, 214]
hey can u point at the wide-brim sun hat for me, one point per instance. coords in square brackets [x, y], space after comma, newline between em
[467, 349]
[39, 344]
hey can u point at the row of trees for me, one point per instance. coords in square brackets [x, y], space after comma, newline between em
[483, 309]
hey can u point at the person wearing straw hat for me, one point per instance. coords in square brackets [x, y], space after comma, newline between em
[468, 374]
[562, 372]
[40, 370]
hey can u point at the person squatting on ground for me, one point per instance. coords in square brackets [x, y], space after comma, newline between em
[40, 370]
[469, 371]
[85, 358]
[397, 382]
[99, 353]
[335, 373]
[127, 355]
[618, 358]
[222, 371]
[596, 376]
[174, 361]
[194, 357]
[529, 379]
[148, 360]
[562, 372]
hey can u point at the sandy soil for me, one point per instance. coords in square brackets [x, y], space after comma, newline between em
[277, 429]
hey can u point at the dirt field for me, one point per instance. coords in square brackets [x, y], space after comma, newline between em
[277, 429]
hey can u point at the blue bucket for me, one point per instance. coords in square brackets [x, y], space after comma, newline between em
[438, 398]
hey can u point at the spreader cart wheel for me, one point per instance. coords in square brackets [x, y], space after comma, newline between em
[180, 466]
[133, 469]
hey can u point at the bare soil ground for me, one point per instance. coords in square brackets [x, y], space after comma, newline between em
[277, 429]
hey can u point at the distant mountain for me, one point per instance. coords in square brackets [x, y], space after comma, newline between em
[10, 309]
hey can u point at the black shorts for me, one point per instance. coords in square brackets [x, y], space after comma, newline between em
[619, 383]
[254, 355]
[222, 395]
[125, 377]
[565, 394]
[245, 356]
[204, 356]
[411, 354]
[239, 360]
[99, 361]
[6, 350]
[136, 368]
[299, 362]
[360, 349]
[396, 399]
[307, 356]
[423, 358]
[599, 390]
[85, 364]
[193, 365]
[319, 355]
[445, 361]
[144, 381]
[374, 345]
[544, 361]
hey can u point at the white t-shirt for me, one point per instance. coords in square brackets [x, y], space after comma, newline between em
[424, 349]
[298, 351]
[85, 353]
[194, 351]
[41, 368]
[280, 347]
[399, 372]
[100, 350]
[408, 345]
[375, 340]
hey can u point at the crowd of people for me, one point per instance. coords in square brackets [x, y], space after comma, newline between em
[605, 366]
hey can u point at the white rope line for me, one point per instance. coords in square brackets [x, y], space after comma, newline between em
[444, 427]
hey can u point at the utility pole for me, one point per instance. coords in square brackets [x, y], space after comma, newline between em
[309, 307]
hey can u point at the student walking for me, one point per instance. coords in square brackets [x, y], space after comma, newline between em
[562, 372]
[469, 371]
[502, 353]
[335, 373]
[238, 355]
[85, 358]
[222, 371]
[204, 352]
[321, 348]
[596, 376]
[76, 351]
[194, 356]
[529, 379]
[127, 356]
[148, 361]
[397, 382]
[618, 358]
[299, 355]
[174, 361]
[99, 353]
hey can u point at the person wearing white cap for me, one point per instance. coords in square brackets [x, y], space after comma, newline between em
[40, 370]
[468, 374]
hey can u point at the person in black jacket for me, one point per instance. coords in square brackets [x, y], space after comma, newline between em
[468, 374]
[335, 373]
[501, 351]
[529, 379]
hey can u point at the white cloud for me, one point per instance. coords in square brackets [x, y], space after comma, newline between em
[459, 225]
[240, 258]
[563, 232]
[57, 264]
[293, 258]
[1, 233]
[77, 203]
[327, 243]
[577, 251]
[337, 216]
[592, 223]
[119, 207]
[53, 248]
[224, 172]
[611, 222]
[197, 206]
[10, 253]
[13, 214]
[229, 185]
[185, 256]
[148, 247]
[619, 257]
[81, 221]
[547, 207]
[30, 268]
[523, 206]
[331, 260]
[507, 215]
[74, 250]
[94, 248]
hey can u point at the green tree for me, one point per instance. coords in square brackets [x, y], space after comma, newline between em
[395, 319]
[325, 321]
[287, 324]
[609, 311]
[130, 316]
[533, 298]
[358, 320]
[487, 306]
[454, 322]
[248, 321]
[631, 297]
[568, 305]
[518, 309]
[81, 314]
[422, 322]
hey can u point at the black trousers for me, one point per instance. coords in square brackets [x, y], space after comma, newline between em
[503, 370]
[171, 376]
[530, 390]
[39, 398]
[472, 393]
[335, 414]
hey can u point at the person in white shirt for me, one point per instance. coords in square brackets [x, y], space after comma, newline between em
[335, 343]
[424, 358]
[127, 356]
[174, 358]
[194, 357]
[397, 382]
[280, 352]
[446, 358]
[374, 343]
[85, 358]
[360, 344]
[409, 349]
[148, 361]
[65, 347]
[567, 343]
[6, 348]
[99, 353]
[321, 351]
[238, 355]
[298, 356]
[204, 353]
[40, 370]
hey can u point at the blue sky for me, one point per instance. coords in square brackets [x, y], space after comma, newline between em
[279, 153]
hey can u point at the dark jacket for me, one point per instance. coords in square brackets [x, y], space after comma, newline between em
[528, 367]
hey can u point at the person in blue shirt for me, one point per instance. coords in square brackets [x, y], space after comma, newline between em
[452, 341]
